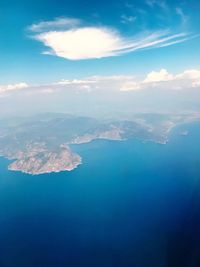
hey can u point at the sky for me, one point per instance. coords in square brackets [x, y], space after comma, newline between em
[63, 49]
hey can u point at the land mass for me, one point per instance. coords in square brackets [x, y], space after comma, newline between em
[43, 143]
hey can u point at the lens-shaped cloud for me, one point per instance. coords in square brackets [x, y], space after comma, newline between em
[76, 41]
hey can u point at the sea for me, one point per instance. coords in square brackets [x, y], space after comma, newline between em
[131, 203]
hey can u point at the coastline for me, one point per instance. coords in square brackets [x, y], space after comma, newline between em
[163, 141]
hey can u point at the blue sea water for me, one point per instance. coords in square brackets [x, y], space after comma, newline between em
[130, 203]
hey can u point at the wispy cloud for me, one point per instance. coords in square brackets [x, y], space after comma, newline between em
[127, 19]
[184, 18]
[80, 42]
[56, 24]
[160, 3]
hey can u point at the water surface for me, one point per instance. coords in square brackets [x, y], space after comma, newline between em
[129, 204]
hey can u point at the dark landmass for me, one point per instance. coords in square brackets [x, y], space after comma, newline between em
[41, 144]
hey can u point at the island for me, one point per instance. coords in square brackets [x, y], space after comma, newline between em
[44, 143]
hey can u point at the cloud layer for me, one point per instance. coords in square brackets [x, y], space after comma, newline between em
[105, 96]
[12, 87]
[70, 39]
[161, 80]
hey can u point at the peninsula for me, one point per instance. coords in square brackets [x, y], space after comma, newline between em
[43, 143]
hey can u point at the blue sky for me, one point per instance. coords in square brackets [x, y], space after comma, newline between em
[99, 58]
[21, 53]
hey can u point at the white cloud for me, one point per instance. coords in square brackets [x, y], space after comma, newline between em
[191, 77]
[163, 79]
[77, 41]
[189, 74]
[74, 81]
[113, 78]
[162, 75]
[13, 87]
[130, 86]
[83, 43]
